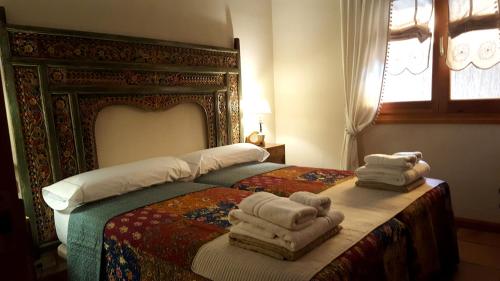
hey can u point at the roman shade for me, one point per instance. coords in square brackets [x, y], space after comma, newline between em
[410, 40]
[473, 34]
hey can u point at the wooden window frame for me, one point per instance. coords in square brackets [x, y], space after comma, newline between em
[441, 109]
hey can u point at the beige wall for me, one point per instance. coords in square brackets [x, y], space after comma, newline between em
[213, 22]
[467, 156]
[253, 24]
[308, 81]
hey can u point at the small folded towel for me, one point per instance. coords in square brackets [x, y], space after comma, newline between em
[258, 228]
[249, 243]
[278, 210]
[321, 203]
[403, 161]
[390, 187]
[417, 154]
[393, 176]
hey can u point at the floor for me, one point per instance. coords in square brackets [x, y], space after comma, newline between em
[479, 256]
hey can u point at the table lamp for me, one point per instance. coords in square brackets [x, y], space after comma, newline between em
[258, 107]
[262, 108]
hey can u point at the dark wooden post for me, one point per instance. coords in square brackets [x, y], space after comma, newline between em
[240, 94]
[16, 261]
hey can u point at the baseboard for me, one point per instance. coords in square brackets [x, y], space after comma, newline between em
[477, 225]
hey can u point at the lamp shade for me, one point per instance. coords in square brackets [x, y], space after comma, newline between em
[262, 107]
[256, 106]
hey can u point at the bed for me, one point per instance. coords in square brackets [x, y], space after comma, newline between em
[428, 222]
[56, 84]
[161, 240]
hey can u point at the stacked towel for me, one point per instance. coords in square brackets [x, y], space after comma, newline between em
[281, 227]
[278, 210]
[292, 240]
[402, 171]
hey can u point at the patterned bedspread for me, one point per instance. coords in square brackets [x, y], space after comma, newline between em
[159, 241]
[285, 181]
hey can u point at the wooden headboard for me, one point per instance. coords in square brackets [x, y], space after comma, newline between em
[56, 81]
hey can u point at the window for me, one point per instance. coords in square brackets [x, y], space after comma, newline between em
[443, 62]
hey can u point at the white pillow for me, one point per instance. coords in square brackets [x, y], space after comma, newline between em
[207, 160]
[71, 192]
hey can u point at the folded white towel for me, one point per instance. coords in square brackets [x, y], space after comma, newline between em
[417, 154]
[420, 167]
[404, 161]
[321, 203]
[373, 167]
[278, 210]
[257, 228]
[393, 176]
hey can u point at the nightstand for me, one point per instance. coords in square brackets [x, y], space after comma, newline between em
[277, 152]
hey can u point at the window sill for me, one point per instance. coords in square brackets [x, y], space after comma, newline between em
[435, 118]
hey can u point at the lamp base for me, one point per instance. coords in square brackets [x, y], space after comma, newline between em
[256, 138]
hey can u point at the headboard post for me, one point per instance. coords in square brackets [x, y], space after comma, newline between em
[14, 124]
[56, 82]
[237, 47]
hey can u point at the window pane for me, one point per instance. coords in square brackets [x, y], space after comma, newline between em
[408, 73]
[408, 87]
[473, 83]
[409, 80]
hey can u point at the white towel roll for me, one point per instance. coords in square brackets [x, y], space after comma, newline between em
[404, 161]
[321, 203]
[417, 154]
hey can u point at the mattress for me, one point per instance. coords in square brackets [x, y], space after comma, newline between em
[61, 221]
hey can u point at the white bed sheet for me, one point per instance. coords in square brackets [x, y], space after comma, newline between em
[61, 221]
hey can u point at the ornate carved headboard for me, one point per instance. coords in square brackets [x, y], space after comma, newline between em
[56, 82]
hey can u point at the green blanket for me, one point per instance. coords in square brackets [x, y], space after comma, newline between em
[86, 224]
[231, 175]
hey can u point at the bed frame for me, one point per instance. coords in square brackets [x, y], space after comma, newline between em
[55, 83]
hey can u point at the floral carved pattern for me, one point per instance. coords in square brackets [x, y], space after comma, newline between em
[65, 136]
[234, 104]
[90, 105]
[37, 45]
[99, 77]
[35, 145]
[222, 113]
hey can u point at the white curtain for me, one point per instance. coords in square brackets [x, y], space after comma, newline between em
[474, 34]
[364, 43]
